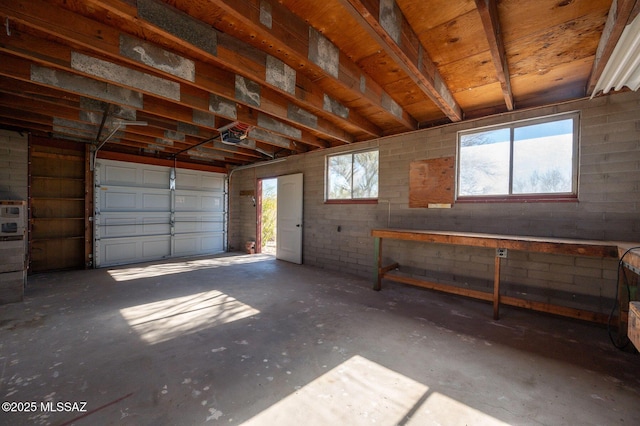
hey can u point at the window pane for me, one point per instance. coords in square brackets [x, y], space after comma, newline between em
[542, 158]
[484, 163]
[339, 178]
[365, 175]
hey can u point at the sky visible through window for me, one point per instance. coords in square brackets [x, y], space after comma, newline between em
[542, 160]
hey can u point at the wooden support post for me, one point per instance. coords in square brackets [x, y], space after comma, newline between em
[88, 208]
[496, 289]
[623, 306]
[377, 286]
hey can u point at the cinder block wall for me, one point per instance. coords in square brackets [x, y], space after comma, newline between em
[608, 209]
[14, 160]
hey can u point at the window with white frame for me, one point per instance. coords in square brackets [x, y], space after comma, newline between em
[352, 176]
[528, 159]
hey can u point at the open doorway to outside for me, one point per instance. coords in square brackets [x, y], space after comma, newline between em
[267, 210]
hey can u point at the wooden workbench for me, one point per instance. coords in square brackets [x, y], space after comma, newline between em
[588, 248]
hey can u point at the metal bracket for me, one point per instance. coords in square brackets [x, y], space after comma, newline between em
[501, 252]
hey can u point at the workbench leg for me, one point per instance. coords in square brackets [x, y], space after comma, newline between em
[496, 289]
[623, 307]
[377, 286]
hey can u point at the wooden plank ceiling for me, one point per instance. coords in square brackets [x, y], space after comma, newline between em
[231, 82]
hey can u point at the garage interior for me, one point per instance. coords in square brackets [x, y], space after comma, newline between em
[476, 162]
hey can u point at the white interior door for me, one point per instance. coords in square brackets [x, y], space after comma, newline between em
[289, 222]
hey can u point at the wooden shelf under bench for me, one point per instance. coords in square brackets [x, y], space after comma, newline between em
[573, 247]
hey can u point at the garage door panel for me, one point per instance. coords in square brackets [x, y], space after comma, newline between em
[119, 199]
[186, 223]
[190, 244]
[139, 218]
[156, 248]
[212, 242]
[133, 175]
[213, 183]
[156, 226]
[187, 202]
[130, 250]
[211, 203]
[186, 179]
[199, 201]
[213, 223]
[114, 174]
[186, 245]
[117, 226]
[156, 177]
[118, 251]
[113, 225]
[160, 202]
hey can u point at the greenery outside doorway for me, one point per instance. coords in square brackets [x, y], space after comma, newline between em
[267, 215]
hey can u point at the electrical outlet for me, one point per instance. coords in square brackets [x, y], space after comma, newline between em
[501, 252]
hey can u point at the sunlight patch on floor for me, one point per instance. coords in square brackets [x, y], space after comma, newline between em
[356, 392]
[440, 409]
[362, 392]
[167, 319]
[177, 267]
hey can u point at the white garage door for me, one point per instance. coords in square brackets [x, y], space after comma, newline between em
[146, 213]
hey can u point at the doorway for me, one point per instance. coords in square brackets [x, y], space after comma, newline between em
[279, 221]
[267, 215]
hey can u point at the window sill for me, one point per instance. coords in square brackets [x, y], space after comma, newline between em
[352, 201]
[520, 199]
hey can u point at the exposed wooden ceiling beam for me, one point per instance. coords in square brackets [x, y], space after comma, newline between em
[621, 13]
[79, 112]
[291, 39]
[305, 75]
[71, 121]
[207, 79]
[287, 86]
[185, 111]
[387, 24]
[488, 10]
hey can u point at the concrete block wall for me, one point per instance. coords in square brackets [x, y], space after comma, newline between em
[14, 165]
[608, 209]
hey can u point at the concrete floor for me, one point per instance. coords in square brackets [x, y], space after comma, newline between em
[247, 339]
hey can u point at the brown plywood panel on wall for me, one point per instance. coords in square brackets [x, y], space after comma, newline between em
[432, 182]
[66, 188]
[59, 253]
[62, 208]
[51, 228]
[52, 165]
[57, 205]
